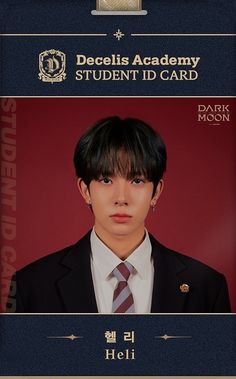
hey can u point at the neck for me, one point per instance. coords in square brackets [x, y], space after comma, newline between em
[121, 245]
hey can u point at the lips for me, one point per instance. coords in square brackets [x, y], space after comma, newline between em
[120, 217]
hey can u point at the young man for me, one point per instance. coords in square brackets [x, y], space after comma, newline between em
[118, 267]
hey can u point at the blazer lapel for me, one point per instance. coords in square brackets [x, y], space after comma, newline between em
[167, 296]
[76, 287]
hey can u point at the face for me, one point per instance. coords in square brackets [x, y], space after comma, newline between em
[120, 206]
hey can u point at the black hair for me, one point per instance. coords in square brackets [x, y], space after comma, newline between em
[127, 147]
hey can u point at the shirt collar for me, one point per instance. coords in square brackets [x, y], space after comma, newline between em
[106, 260]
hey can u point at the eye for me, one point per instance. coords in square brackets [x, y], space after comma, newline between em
[105, 180]
[138, 181]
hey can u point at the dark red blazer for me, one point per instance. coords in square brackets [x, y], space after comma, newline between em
[62, 282]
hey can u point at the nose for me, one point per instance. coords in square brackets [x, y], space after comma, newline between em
[121, 192]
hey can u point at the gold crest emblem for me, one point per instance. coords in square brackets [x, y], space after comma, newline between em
[184, 288]
[52, 65]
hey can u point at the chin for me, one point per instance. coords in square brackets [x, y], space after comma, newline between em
[121, 230]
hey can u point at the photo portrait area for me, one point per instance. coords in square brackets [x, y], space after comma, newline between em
[195, 215]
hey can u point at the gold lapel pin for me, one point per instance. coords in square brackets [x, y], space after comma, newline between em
[184, 288]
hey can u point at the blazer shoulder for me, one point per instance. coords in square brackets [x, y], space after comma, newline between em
[48, 260]
[208, 288]
[184, 261]
[55, 261]
[41, 285]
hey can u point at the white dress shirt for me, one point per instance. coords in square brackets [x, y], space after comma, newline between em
[103, 262]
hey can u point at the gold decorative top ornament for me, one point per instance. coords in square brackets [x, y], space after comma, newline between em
[118, 7]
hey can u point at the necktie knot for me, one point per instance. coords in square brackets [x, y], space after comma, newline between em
[122, 271]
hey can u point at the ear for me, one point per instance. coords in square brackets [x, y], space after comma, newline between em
[158, 192]
[84, 190]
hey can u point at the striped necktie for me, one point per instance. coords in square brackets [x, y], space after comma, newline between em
[123, 301]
